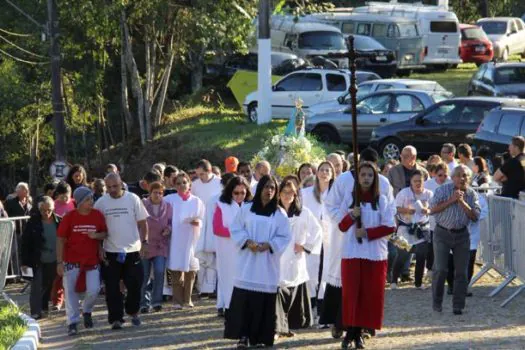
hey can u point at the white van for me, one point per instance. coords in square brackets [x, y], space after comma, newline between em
[439, 27]
[307, 40]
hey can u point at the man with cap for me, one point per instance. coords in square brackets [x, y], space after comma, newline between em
[79, 235]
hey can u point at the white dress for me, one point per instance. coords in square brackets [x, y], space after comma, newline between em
[313, 259]
[205, 251]
[259, 272]
[306, 231]
[226, 256]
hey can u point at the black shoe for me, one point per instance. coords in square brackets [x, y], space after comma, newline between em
[204, 295]
[243, 343]
[144, 310]
[88, 321]
[72, 329]
[406, 278]
[157, 308]
[336, 332]
[345, 344]
[457, 312]
[437, 308]
[135, 320]
[116, 325]
[359, 342]
[220, 312]
[469, 294]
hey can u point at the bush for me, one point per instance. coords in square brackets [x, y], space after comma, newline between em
[12, 327]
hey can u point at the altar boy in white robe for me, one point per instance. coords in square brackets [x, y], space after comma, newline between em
[294, 310]
[261, 232]
[206, 187]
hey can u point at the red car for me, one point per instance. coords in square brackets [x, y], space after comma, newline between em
[475, 45]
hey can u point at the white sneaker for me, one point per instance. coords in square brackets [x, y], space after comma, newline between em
[393, 286]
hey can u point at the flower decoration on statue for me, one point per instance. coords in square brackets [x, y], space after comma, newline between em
[286, 152]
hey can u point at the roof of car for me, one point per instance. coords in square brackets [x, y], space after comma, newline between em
[328, 70]
[401, 81]
[496, 19]
[503, 100]
[407, 91]
[507, 64]
[465, 26]
[513, 108]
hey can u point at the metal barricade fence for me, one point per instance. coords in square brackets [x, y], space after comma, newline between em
[17, 225]
[7, 230]
[502, 245]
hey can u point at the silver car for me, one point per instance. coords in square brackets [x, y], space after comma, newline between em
[377, 109]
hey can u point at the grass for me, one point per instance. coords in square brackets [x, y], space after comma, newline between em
[12, 327]
[454, 80]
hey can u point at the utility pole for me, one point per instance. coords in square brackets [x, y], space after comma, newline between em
[264, 65]
[56, 82]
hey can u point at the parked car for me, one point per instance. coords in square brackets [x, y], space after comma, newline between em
[379, 108]
[498, 128]
[507, 35]
[374, 57]
[368, 87]
[499, 79]
[447, 121]
[310, 85]
[248, 61]
[475, 45]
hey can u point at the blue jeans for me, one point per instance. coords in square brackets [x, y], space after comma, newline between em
[153, 297]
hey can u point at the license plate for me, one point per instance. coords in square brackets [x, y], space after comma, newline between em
[480, 48]
[442, 50]
[381, 58]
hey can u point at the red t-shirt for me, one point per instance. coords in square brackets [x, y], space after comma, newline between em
[79, 248]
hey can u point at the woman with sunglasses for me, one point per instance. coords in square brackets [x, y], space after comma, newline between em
[235, 193]
[313, 199]
[159, 232]
[186, 225]
[261, 232]
[294, 310]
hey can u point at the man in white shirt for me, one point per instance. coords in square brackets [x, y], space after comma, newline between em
[337, 162]
[126, 241]
[206, 187]
[448, 154]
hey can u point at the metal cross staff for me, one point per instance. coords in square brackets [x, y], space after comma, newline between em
[352, 56]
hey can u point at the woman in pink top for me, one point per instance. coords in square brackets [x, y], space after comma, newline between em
[236, 192]
[63, 201]
[159, 232]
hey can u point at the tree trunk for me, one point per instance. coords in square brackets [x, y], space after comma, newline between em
[150, 81]
[128, 118]
[135, 79]
[165, 83]
[198, 70]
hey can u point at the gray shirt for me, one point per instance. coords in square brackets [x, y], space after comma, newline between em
[49, 252]
[454, 217]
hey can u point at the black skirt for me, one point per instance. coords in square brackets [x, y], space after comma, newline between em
[294, 310]
[331, 311]
[252, 315]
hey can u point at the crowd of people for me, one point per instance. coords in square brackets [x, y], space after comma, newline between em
[312, 248]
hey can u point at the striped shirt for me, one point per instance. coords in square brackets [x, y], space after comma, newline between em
[454, 216]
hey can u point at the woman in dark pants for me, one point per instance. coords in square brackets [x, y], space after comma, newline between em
[39, 253]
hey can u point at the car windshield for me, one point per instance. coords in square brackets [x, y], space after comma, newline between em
[494, 27]
[438, 97]
[408, 30]
[473, 34]
[322, 41]
[366, 43]
[510, 75]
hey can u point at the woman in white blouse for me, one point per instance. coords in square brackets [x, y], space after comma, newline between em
[413, 209]
[188, 213]
[294, 310]
[313, 198]
[261, 233]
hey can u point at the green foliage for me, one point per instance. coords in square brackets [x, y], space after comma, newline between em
[12, 327]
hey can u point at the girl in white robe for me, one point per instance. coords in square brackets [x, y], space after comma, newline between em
[261, 233]
[294, 310]
[188, 213]
[235, 193]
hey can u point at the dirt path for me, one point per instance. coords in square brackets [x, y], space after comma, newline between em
[410, 323]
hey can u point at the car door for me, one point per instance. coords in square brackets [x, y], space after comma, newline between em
[370, 111]
[311, 91]
[403, 107]
[430, 130]
[470, 116]
[284, 94]
[521, 35]
[476, 80]
[486, 86]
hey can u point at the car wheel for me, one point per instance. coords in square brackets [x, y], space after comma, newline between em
[454, 66]
[326, 134]
[505, 56]
[390, 149]
[252, 112]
